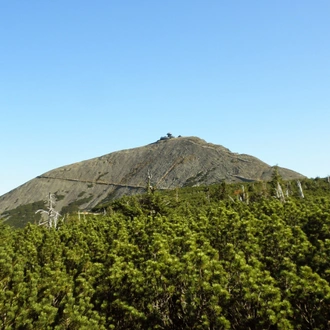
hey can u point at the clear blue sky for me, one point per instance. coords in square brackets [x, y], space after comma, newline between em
[80, 79]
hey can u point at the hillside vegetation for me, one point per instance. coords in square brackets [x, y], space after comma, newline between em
[212, 257]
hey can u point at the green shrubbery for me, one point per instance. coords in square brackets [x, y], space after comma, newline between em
[186, 259]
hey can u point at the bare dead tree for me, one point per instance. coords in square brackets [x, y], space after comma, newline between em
[150, 188]
[279, 192]
[52, 215]
[300, 189]
[245, 195]
[231, 198]
[288, 189]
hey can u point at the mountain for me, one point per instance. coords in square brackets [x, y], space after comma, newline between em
[167, 163]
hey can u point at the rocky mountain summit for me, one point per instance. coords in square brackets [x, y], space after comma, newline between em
[165, 164]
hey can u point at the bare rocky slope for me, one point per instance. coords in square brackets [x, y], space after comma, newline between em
[171, 163]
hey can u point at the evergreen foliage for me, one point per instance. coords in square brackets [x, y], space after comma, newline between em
[23, 214]
[191, 258]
